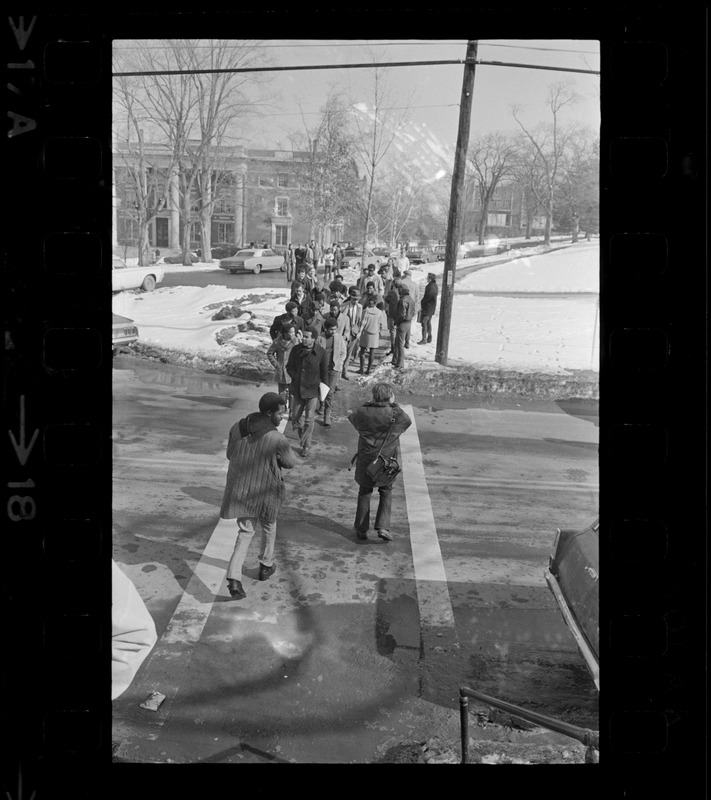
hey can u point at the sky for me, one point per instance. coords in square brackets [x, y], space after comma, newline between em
[528, 333]
[432, 92]
[435, 91]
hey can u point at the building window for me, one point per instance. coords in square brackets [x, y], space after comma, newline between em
[283, 179]
[282, 206]
[265, 180]
[281, 234]
[225, 204]
[224, 231]
[495, 220]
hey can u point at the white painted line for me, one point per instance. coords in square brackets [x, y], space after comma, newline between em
[455, 481]
[433, 598]
[189, 618]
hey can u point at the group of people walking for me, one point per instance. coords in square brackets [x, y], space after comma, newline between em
[326, 326]
[330, 259]
[258, 453]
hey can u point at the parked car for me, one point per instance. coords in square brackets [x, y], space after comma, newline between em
[385, 252]
[220, 250]
[194, 258]
[573, 578]
[354, 259]
[254, 260]
[421, 255]
[125, 277]
[439, 250]
[123, 332]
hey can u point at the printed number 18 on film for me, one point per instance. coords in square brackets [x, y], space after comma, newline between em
[21, 507]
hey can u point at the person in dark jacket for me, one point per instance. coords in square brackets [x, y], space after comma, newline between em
[428, 306]
[292, 315]
[299, 279]
[290, 261]
[379, 422]
[392, 298]
[403, 322]
[254, 491]
[307, 367]
[304, 302]
[278, 356]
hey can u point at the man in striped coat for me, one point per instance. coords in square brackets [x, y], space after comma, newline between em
[255, 489]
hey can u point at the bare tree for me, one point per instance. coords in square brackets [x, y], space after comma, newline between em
[327, 174]
[577, 197]
[221, 99]
[376, 129]
[549, 142]
[143, 189]
[191, 114]
[491, 159]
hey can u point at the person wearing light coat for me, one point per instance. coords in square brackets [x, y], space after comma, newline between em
[335, 348]
[371, 326]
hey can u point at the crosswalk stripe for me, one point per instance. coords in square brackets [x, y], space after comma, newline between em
[435, 605]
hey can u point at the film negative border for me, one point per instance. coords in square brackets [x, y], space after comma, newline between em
[56, 576]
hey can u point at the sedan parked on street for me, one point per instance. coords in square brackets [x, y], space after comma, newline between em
[421, 255]
[123, 332]
[354, 259]
[178, 259]
[125, 277]
[253, 260]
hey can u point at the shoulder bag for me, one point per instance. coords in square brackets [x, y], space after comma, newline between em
[381, 470]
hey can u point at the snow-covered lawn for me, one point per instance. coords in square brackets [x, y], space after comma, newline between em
[528, 334]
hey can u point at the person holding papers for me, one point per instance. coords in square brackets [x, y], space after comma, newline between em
[307, 367]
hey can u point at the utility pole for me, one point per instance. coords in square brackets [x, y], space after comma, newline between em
[455, 203]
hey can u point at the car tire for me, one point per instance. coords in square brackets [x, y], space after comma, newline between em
[233, 271]
[149, 283]
[282, 268]
[257, 269]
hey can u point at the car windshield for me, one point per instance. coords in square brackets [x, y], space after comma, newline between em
[245, 253]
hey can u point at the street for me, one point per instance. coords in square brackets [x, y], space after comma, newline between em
[351, 645]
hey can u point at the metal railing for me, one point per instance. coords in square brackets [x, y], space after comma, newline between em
[590, 738]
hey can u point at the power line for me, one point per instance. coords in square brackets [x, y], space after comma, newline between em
[378, 43]
[143, 73]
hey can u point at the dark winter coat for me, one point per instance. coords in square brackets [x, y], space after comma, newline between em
[406, 309]
[257, 454]
[280, 319]
[429, 300]
[307, 368]
[371, 421]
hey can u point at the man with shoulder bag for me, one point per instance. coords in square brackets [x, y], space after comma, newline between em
[379, 423]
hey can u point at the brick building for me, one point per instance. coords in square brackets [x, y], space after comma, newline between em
[256, 191]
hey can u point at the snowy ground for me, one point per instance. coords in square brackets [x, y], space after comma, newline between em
[490, 329]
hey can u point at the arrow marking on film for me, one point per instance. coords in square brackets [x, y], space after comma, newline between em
[22, 452]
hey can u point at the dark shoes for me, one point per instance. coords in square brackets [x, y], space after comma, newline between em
[422, 341]
[361, 534]
[235, 589]
[266, 572]
[386, 535]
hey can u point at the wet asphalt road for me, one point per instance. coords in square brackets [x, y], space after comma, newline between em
[344, 650]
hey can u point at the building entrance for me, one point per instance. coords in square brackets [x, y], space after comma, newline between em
[162, 239]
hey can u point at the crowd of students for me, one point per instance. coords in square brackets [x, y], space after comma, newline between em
[383, 302]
